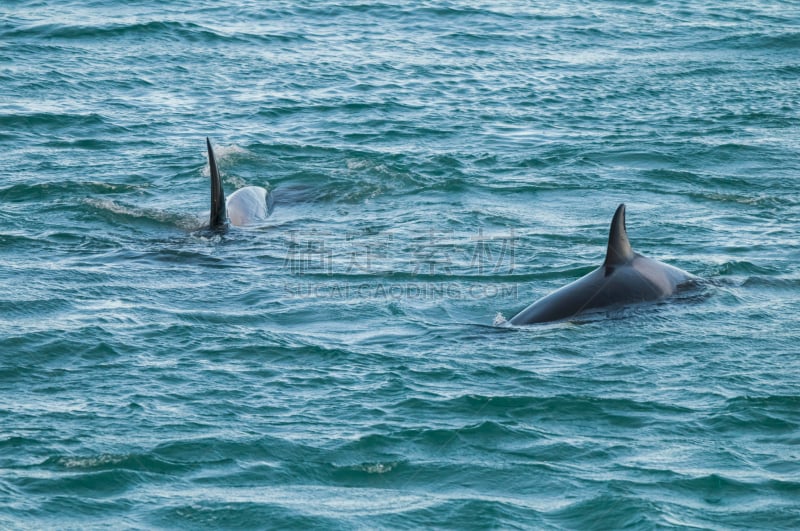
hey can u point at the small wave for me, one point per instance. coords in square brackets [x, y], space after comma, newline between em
[117, 211]
[758, 199]
[47, 123]
[35, 308]
[40, 191]
[742, 267]
[153, 29]
[89, 484]
[100, 462]
[607, 511]
[771, 414]
[718, 488]
[779, 283]
[13, 442]
[93, 144]
[787, 403]
[789, 41]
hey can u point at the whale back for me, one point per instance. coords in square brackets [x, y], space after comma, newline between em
[625, 277]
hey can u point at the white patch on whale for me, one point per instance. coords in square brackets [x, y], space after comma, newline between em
[247, 206]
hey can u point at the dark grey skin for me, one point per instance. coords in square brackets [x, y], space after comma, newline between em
[218, 219]
[624, 278]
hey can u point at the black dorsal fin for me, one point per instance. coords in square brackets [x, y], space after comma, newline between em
[219, 218]
[619, 248]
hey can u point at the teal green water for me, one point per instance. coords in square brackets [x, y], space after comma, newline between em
[435, 166]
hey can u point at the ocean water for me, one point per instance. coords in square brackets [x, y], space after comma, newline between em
[436, 167]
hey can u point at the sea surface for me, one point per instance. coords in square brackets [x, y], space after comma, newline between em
[436, 166]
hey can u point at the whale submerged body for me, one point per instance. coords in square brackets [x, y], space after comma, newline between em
[246, 206]
[625, 277]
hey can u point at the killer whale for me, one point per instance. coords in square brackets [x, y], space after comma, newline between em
[625, 277]
[246, 206]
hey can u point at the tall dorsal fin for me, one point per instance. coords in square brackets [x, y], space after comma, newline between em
[219, 217]
[619, 248]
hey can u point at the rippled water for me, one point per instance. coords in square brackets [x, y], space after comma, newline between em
[435, 166]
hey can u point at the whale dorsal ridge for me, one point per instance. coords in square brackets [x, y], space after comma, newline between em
[218, 217]
[619, 248]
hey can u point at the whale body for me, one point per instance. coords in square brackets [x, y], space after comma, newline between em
[246, 206]
[626, 277]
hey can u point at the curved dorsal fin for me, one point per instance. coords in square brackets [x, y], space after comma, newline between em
[619, 248]
[219, 217]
